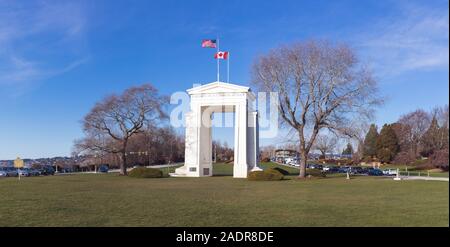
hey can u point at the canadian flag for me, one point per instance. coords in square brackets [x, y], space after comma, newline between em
[221, 55]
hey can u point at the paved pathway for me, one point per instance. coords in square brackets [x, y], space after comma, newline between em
[424, 178]
[153, 166]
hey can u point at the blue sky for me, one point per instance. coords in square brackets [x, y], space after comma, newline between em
[57, 58]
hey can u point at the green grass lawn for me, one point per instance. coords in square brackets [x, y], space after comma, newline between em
[221, 169]
[112, 200]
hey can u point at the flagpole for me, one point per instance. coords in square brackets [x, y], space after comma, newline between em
[228, 68]
[218, 61]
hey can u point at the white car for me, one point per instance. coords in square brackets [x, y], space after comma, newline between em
[390, 172]
[3, 173]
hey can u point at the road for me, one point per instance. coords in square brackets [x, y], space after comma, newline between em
[128, 169]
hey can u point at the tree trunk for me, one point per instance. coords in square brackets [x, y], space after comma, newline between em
[324, 154]
[123, 164]
[303, 161]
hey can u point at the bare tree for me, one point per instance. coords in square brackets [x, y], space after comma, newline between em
[267, 152]
[410, 129]
[113, 121]
[325, 144]
[359, 131]
[320, 85]
[442, 116]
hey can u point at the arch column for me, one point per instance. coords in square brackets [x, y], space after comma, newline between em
[240, 168]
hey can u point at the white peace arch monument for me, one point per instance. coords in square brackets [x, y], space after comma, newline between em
[220, 97]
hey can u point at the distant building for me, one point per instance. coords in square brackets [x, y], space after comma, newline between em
[286, 153]
[282, 154]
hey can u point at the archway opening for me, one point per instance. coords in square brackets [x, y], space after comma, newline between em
[223, 141]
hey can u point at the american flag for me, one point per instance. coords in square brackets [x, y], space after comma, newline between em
[209, 43]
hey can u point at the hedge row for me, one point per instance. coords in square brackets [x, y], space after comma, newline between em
[266, 175]
[142, 172]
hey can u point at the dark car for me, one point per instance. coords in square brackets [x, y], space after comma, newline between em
[375, 172]
[103, 168]
[333, 169]
[47, 170]
[67, 170]
[33, 172]
[357, 170]
[24, 172]
[366, 170]
[11, 171]
[344, 169]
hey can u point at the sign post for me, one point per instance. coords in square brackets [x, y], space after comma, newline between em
[18, 163]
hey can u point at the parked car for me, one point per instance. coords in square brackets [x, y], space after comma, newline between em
[344, 169]
[288, 160]
[357, 170]
[314, 166]
[331, 169]
[66, 170]
[365, 170]
[24, 172]
[31, 171]
[10, 171]
[103, 168]
[375, 172]
[390, 172]
[334, 169]
[47, 170]
[3, 173]
[294, 162]
[34, 172]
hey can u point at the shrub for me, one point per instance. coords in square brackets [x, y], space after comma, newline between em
[142, 172]
[439, 159]
[404, 158]
[280, 170]
[315, 173]
[266, 175]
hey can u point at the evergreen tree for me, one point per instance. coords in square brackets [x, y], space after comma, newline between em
[431, 139]
[387, 144]
[348, 150]
[370, 142]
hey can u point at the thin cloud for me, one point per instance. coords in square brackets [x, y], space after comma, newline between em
[27, 55]
[416, 39]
